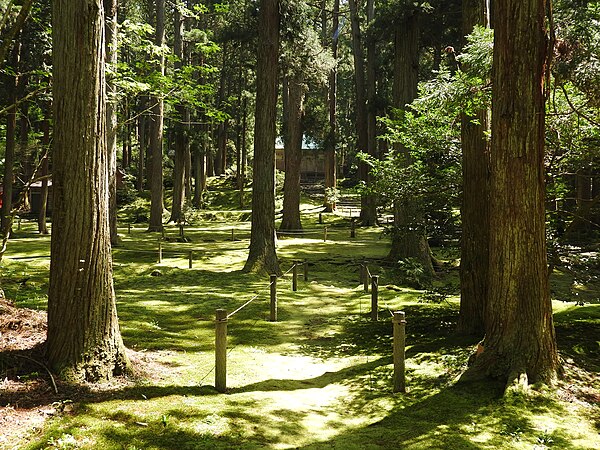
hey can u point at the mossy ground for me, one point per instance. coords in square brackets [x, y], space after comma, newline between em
[320, 377]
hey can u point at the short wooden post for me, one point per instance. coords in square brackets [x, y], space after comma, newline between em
[295, 276]
[399, 324]
[181, 230]
[273, 317]
[352, 228]
[320, 217]
[191, 259]
[19, 224]
[159, 252]
[128, 228]
[233, 234]
[221, 351]
[374, 297]
[305, 270]
[366, 277]
[162, 232]
[325, 234]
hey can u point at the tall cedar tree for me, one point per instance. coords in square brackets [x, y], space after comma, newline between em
[520, 344]
[409, 239]
[156, 131]
[84, 342]
[475, 204]
[262, 255]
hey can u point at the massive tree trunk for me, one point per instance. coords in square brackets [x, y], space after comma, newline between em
[156, 133]
[293, 155]
[110, 11]
[262, 255]
[409, 236]
[180, 137]
[362, 141]
[10, 145]
[331, 142]
[84, 342]
[519, 343]
[474, 213]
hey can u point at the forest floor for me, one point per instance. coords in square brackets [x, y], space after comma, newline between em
[320, 377]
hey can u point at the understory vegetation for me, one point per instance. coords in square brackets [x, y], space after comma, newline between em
[319, 377]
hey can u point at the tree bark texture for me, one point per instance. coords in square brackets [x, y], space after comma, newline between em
[474, 213]
[520, 342]
[84, 342]
[156, 133]
[409, 236]
[262, 254]
[293, 155]
[142, 139]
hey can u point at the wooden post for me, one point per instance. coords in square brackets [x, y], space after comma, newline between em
[273, 317]
[128, 228]
[325, 234]
[352, 228]
[191, 259]
[162, 232]
[233, 234]
[19, 224]
[366, 277]
[159, 252]
[399, 324]
[374, 297]
[181, 230]
[320, 217]
[295, 276]
[221, 351]
[305, 270]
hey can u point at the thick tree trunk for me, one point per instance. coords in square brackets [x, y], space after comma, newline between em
[156, 133]
[293, 156]
[519, 343]
[409, 235]
[110, 11]
[262, 255]
[331, 142]
[84, 342]
[474, 214]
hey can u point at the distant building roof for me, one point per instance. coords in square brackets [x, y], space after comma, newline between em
[307, 143]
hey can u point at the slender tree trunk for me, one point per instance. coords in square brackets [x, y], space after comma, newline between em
[293, 155]
[409, 237]
[262, 255]
[156, 133]
[14, 30]
[42, 227]
[142, 139]
[84, 342]
[362, 132]
[179, 131]
[244, 150]
[331, 142]
[474, 214]
[520, 344]
[110, 11]
[10, 145]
